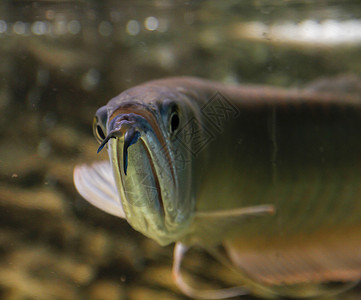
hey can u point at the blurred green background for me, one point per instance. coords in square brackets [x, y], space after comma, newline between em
[61, 60]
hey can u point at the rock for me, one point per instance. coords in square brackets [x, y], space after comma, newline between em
[153, 251]
[43, 201]
[139, 292]
[60, 173]
[43, 264]
[96, 245]
[106, 290]
[17, 284]
[63, 140]
[160, 276]
[20, 164]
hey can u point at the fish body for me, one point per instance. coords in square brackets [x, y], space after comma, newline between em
[273, 175]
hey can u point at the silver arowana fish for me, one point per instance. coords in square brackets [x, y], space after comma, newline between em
[267, 180]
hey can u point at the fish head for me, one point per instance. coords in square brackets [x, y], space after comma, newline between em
[152, 169]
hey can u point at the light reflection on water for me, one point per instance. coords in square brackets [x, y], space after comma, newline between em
[328, 32]
[64, 60]
[59, 26]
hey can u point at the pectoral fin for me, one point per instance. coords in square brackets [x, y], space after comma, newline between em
[225, 215]
[96, 184]
[214, 226]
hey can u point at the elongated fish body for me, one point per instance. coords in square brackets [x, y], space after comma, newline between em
[272, 175]
[301, 154]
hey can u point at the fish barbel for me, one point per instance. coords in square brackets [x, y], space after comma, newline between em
[271, 175]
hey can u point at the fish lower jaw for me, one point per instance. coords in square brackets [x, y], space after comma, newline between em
[161, 234]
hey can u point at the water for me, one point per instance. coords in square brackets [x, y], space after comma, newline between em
[61, 60]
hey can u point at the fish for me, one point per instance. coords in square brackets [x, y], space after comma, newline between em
[266, 179]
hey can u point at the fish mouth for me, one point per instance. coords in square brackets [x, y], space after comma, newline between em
[153, 124]
[156, 179]
[144, 175]
[143, 171]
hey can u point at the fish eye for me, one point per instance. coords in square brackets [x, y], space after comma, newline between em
[98, 131]
[173, 121]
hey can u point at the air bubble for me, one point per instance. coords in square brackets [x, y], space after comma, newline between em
[133, 27]
[39, 28]
[105, 28]
[151, 23]
[3, 26]
[90, 80]
[74, 27]
[19, 27]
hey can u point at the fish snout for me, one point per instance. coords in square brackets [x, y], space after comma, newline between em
[127, 127]
[122, 123]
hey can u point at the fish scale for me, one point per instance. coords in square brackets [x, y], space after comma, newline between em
[299, 202]
[318, 201]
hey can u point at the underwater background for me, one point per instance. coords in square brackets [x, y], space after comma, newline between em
[61, 60]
